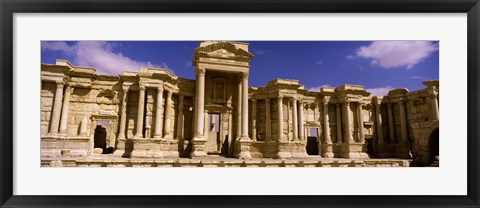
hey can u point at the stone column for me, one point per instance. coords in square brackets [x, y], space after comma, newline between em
[66, 104]
[123, 115]
[159, 113]
[57, 107]
[206, 127]
[391, 127]
[245, 106]
[295, 118]
[168, 117]
[361, 134]
[254, 119]
[268, 121]
[379, 121]
[348, 123]
[434, 100]
[339, 123]
[326, 120]
[403, 121]
[280, 119]
[239, 107]
[141, 106]
[301, 130]
[200, 101]
[180, 117]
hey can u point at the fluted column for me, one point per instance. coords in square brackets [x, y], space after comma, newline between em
[435, 106]
[245, 106]
[168, 117]
[123, 115]
[239, 107]
[301, 130]
[295, 118]
[200, 101]
[348, 122]
[180, 117]
[57, 107]
[391, 127]
[140, 113]
[65, 107]
[254, 119]
[326, 121]
[339, 123]
[280, 118]
[403, 121]
[159, 113]
[379, 121]
[268, 121]
[361, 134]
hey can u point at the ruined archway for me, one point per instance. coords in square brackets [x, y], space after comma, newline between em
[434, 145]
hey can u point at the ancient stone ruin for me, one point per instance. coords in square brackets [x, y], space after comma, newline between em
[155, 114]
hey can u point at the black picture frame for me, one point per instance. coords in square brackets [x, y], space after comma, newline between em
[10, 7]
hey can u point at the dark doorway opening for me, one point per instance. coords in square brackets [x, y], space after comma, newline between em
[369, 145]
[99, 138]
[434, 144]
[312, 142]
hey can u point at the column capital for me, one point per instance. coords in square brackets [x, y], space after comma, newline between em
[142, 86]
[201, 71]
[169, 93]
[60, 84]
[125, 89]
[160, 89]
[254, 100]
[377, 101]
[325, 100]
[244, 75]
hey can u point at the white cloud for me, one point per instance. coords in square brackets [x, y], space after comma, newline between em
[419, 77]
[319, 62]
[317, 89]
[380, 91]
[101, 56]
[350, 57]
[391, 54]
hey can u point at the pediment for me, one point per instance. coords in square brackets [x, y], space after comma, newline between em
[223, 50]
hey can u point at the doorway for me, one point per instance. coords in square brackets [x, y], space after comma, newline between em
[100, 138]
[312, 141]
[214, 140]
[434, 145]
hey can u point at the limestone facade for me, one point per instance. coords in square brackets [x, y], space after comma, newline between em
[153, 113]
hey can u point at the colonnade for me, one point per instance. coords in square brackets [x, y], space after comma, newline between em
[163, 124]
[59, 119]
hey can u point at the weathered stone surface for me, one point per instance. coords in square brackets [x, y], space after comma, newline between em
[155, 114]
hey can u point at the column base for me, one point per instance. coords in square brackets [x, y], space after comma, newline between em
[353, 150]
[242, 148]
[198, 146]
[294, 149]
[327, 150]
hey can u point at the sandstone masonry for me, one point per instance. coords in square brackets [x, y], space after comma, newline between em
[155, 114]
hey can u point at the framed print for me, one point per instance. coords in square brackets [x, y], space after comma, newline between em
[267, 103]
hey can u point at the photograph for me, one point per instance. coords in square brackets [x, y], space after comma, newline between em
[239, 103]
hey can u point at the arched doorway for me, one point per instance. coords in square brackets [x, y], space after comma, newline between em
[434, 145]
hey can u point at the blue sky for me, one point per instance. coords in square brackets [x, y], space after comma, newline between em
[377, 65]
